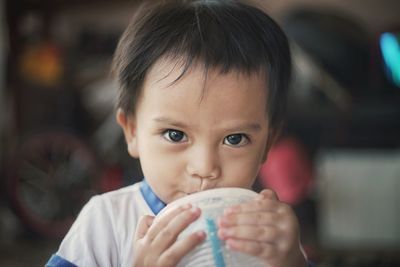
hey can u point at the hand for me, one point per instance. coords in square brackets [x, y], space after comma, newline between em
[265, 228]
[156, 241]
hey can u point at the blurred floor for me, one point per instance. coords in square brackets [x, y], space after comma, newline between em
[19, 247]
[26, 252]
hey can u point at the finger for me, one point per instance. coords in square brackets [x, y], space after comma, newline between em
[259, 249]
[267, 234]
[270, 194]
[162, 221]
[143, 226]
[168, 235]
[180, 248]
[254, 206]
[254, 218]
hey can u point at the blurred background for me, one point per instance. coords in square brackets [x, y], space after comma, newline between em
[337, 163]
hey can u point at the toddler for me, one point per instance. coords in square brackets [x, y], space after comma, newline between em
[202, 95]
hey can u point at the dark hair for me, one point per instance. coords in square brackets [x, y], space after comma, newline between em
[224, 34]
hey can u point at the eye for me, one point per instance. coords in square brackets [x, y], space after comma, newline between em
[236, 140]
[175, 136]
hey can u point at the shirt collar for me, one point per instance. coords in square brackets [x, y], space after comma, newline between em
[155, 204]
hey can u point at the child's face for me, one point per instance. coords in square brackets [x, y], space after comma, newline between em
[192, 136]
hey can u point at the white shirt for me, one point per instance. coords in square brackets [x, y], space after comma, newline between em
[103, 233]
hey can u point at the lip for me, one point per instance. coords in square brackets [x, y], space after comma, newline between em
[197, 191]
[187, 193]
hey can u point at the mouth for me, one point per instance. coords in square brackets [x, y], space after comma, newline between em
[196, 191]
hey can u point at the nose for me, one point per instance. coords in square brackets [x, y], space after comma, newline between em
[203, 162]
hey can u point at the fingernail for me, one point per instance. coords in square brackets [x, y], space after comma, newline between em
[186, 206]
[230, 244]
[224, 220]
[232, 209]
[195, 210]
[221, 234]
[260, 197]
[225, 232]
[201, 234]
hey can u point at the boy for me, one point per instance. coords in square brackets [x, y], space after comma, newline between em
[203, 88]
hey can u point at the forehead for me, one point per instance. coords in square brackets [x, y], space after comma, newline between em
[170, 73]
[208, 91]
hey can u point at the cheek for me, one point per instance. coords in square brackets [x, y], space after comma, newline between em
[161, 171]
[157, 164]
[158, 161]
[242, 171]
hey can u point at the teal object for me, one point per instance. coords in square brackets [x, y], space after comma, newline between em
[215, 243]
[390, 48]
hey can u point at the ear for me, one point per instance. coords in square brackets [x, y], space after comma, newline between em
[128, 125]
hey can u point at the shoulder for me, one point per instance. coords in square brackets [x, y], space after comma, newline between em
[103, 211]
[114, 201]
[126, 200]
[127, 192]
[118, 210]
[104, 228]
[120, 196]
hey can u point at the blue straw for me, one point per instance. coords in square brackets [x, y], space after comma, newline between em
[215, 243]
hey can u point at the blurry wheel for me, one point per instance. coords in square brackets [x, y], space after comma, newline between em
[51, 177]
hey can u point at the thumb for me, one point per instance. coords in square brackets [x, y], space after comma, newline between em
[270, 194]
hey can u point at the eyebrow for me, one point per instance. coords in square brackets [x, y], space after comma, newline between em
[253, 127]
[170, 122]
